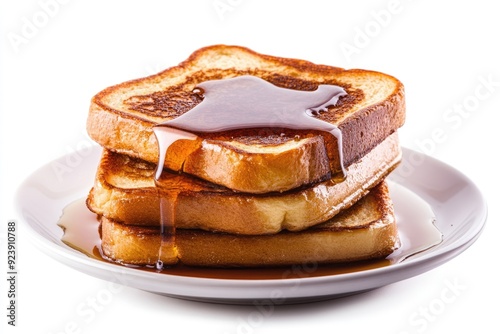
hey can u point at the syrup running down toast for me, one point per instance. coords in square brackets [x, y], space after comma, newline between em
[235, 158]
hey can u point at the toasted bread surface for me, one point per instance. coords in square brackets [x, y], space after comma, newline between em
[125, 191]
[367, 230]
[253, 160]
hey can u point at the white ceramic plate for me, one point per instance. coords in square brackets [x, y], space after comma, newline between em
[454, 202]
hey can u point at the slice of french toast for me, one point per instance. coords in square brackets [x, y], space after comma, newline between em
[124, 191]
[121, 119]
[367, 230]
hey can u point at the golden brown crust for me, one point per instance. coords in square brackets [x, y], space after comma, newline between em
[124, 191]
[365, 231]
[373, 110]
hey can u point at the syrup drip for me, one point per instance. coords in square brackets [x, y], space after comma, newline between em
[240, 103]
[167, 195]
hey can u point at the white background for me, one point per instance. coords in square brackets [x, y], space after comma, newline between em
[56, 55]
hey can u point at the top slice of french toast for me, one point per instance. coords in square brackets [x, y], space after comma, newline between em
[258, 160]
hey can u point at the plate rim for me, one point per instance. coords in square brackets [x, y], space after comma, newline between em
[72, 258]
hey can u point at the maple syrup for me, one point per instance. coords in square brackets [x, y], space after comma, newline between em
[242, 102]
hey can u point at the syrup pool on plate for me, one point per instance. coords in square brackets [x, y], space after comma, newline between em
[414, 217]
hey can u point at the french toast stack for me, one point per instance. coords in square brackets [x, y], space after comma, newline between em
[248, 197]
